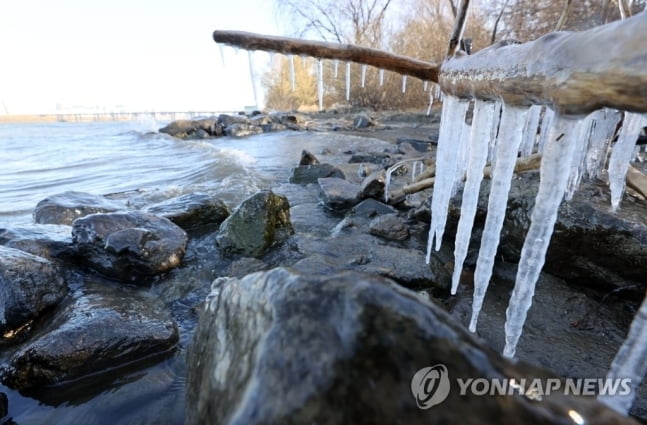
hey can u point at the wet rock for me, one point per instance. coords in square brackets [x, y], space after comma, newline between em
[193, 129]
[360, 216]
[260, 222]
[353, 250]
[382, 159]
[281, 347]
[29, 285]
[260, 120]
[192, 210]
[64, 208]
[4, 405]
[100, 329]
[308, 158]
[129, 246]
[338, 194]
[591, 246]
[230, 120]
[50, 241]
[389, 226]
[306, 174]
[242, 130]
[373, 185]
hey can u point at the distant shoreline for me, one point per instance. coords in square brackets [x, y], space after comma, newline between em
[102, 117]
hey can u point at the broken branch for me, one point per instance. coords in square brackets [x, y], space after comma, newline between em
[348, 52]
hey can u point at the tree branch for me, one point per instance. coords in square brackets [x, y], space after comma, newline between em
[459, 28]
[349, 52]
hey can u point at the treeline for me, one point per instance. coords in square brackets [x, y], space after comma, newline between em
[416, 28]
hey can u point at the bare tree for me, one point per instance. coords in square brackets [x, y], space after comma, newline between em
[361, 22]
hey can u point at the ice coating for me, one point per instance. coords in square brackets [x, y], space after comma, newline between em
[530, 130]
[320, 89]
[554, 173]
[603, 129]
[508, 141]
[478, 148]
[347, 81]
[292, 75]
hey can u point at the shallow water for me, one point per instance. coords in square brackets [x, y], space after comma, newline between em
[106, 158]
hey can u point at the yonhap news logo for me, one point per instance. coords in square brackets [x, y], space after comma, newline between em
[431, 386]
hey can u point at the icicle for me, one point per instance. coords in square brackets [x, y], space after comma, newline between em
[478, 145]
[509, 139]
[449, 146]
[579, 154]
[461, 165]
[252, 76]
[431, 102]
[364, 75]
[320, 90]
[493, 136]
[381, 76]
[605, 123]
[347, 81]
[554, 173]
[404, 84]
[292, 74]
[271, 58]
[392, 169]
[629, 363]
[221, 47]
[622, 153]
[336, 67]
[544, 132]
[425, 85]
[530, 131]
[414, 168]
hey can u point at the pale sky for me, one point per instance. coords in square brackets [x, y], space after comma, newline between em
[143, 54]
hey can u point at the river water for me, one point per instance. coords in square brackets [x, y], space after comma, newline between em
[39, 160]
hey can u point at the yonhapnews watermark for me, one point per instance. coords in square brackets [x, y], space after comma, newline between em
[432, 385]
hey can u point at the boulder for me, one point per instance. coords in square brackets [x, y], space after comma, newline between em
[192, 210]
[308, 158]
[129, 246]
[258, 223]
[338, 194]
[242, 130]
[64, 208]
[100, 329]
[306, 174]
[373, 185]
[29, 285]
[228, 120]
[389, 226]
[383, 159]
[50, 241]
[280, 347]
[363, 121]
[193, 129]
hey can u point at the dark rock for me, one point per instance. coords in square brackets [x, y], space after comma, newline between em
[100, 329]
[29, 285]
[260, 222]
[373, 186]
[242, 130]
[230, 120]
[260, 120]
[181, 129]
[4, 405]
[308, 158]
[280, 347]
[306, 174]
[411, 146]
[389, 226]
[64, 208]
[194, 129]
[382, 159]
[356, 251]
[192, 210]
[591, 245]
[370, 208]
[362, 121]
[338, 194]
[50, 241]
[129, 246]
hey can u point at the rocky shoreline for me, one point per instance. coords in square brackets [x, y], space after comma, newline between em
[320, 295]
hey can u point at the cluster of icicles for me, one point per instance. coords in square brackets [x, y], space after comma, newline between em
[319, 72]
[573, 148]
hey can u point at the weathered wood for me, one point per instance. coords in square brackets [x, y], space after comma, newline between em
[347, 52]
[637, 181]
[573, 72]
